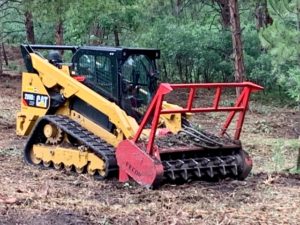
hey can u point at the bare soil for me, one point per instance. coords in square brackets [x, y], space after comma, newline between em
[271, 195]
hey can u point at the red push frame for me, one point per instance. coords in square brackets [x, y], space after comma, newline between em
[240, 106]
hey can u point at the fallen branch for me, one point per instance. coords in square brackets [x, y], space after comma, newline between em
[7, 200]
[298, 161]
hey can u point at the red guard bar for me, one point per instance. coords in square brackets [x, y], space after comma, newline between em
[240, 106]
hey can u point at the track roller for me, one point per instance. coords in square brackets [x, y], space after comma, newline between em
[58, 166]
[68, 168]
[79, 170]
[33, 159]
[47, 164]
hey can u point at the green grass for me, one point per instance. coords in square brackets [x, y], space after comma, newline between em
[273, 154]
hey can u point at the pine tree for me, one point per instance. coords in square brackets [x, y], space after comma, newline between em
[282, 40]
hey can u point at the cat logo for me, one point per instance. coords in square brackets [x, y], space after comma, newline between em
[42, 101]
[35, 100]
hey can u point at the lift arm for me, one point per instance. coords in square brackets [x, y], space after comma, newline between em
[52, 76]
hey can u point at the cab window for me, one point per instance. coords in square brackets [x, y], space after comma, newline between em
[103, 72]
[139, 83]
[97, 70]
[86, 66]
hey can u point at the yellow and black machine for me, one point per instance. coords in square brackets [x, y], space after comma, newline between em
[104, 113]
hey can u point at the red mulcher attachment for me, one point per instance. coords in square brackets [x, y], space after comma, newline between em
[204, 155]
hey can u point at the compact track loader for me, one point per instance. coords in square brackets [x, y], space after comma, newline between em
[104, 113]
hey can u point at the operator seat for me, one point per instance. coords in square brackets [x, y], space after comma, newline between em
[54, 57]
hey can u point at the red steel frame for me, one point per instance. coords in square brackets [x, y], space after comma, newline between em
[240, 106]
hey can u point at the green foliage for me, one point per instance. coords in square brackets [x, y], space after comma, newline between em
[11, 27]
[109, 16]
[284, 155]
[282, 40]
[195, 47]
[257, 62]
[278, 156]
[191, 52]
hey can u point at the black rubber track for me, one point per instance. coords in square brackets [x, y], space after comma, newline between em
[95, 144]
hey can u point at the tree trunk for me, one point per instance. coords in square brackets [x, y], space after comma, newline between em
[98, 33]
[4, 54]
[186, 72]
[239, 68]
[29, 27]
[205, 75]
[263, 18]
[117, 38]
[59, 33]
[179, 66]
[298, 27]
[225, 12]
[1, 62]
[177, 7]
[198, 75]
[165, 71]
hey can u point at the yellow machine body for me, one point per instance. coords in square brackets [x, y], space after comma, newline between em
[35, 104]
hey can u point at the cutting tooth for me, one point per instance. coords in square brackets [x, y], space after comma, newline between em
[167, 165]
[196, 165]
[218, 161]
[179, 163]
[193, 163]
[210, 172]
[184, 174]
[172, 175]
[234, 170]
[205, 161]
[230, 159]
[198, 172]
[223, 170]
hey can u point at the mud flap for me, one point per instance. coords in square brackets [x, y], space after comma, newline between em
[135, 163]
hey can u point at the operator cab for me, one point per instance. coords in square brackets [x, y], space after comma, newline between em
[125, 76]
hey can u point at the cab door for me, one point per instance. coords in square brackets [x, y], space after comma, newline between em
[138, 84]
[99, 69]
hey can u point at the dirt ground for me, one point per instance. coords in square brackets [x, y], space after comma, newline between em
[271, 195]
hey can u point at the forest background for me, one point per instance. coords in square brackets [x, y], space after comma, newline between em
[195, 36]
